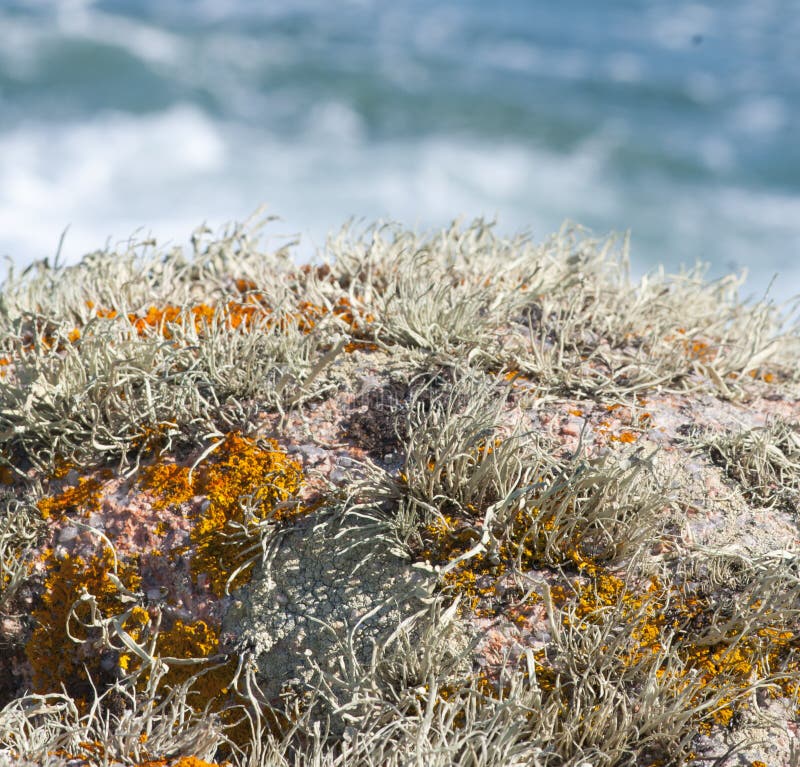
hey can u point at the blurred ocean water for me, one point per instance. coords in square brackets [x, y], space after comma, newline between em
[677, 120]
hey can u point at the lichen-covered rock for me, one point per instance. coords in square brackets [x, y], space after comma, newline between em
[330, 587]
[441, 501]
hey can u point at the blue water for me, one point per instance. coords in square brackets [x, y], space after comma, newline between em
[677, 120]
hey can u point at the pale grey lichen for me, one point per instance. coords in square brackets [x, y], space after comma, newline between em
[331, 590]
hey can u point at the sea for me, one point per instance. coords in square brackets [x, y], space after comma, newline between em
[673, 120]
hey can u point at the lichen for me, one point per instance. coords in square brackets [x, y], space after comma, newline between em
[169, 483]
[253, 313]
[139, 357]
[55, 659]
[84, 496]
[243, 483]
[242, 474]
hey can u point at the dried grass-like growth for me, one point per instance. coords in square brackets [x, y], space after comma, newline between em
[599, 511]
[458, 456]
[564, 313]
[93, 373]
[20, 527]
[764, 461]
[121, 727]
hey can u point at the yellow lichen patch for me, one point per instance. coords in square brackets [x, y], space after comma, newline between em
[136, 624]
[62, 468]
[661, 617]
[189, 641]
[54, 658]
[183, 761]
[96, 753]
[168, 482]
[92, 753]
[535, 539]
[656, 617]
[246, 469]
[243, 482]
[526, 543]
[151, 439]
[197, 640]
[85, 496]
[242, 471]
[266, 477]
[445, 539]
[489, 688]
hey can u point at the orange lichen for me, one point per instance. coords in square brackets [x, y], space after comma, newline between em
[54, 659]
[701, 351]
[267, 477]
[243, 482]
[168, 482]
[239, 470]
[62, 468]
[761, 375]
[445, 539]
[248, 314]
[696, 349]
[85, 496]
[726, 669]
[95, 753]
[475, 578]
[198, 640]
[136, 624]
[187, 641]
[151, 439]
[106, 314]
